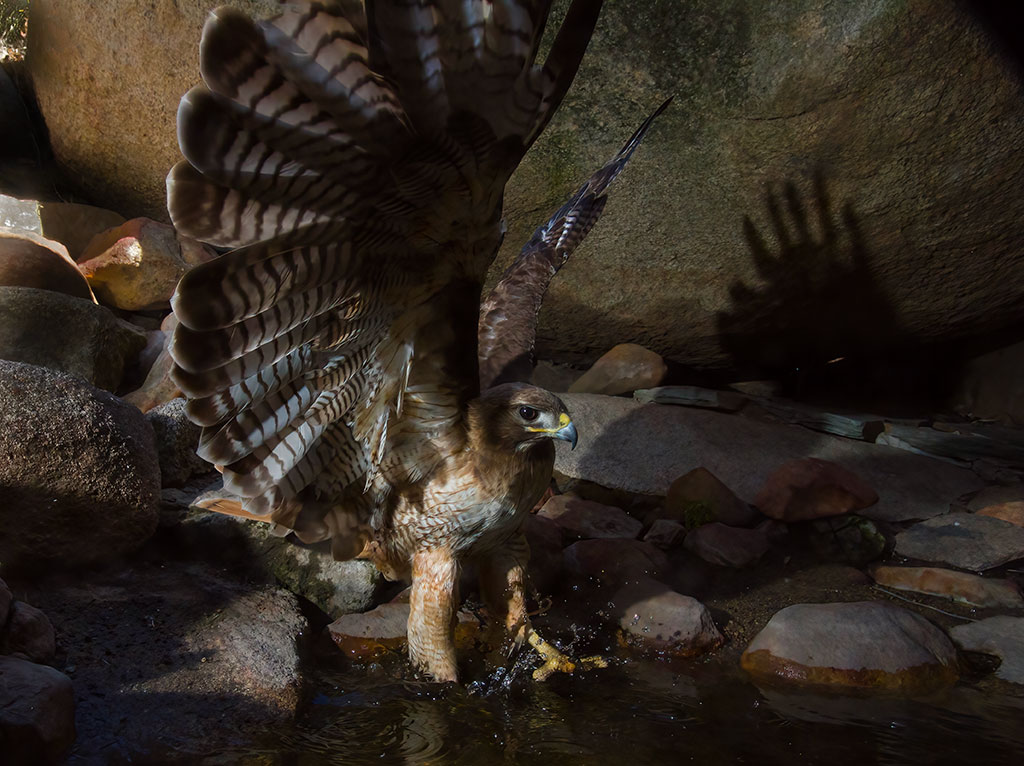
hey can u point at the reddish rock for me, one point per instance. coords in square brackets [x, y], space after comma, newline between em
[811, 488]
[697, 497]
[30, 260]
[1012, 512]
[727, 546]
[654, 618]
[37, 712]
[625, 368]
[136, 265]
[584, 519]
[665, 534]
[948, 583]
[615, 561]
[28, 634]
[865, 645]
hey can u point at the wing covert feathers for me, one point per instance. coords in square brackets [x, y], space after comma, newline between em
[352, 161]
[508, 317]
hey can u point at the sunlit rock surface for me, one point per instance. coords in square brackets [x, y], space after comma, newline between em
[623, 369]
[867, 645]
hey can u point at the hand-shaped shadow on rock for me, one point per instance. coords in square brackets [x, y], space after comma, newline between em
[819, 309]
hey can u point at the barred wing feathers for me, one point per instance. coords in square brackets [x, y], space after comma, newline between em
[354, 163]
[508, 318]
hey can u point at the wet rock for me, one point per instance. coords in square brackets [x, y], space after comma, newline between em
[852, 539]
[545, 540]
[28, 634]
[583, 519]
[811, 488]
[1012, 512]
[727, 546]
[176, 440]
[137, 265]
[1002, 636]
[656, 619]
[625, 368]
[67, 334]
[615, 560]
[80, 472]
[698, 497]
[639, 448]
[665, 534]
[37, 712]
[370, 635]
[963, 540]
[29, 260]
[947, 583]
[20, 214]
[158, 386]
[869, 645]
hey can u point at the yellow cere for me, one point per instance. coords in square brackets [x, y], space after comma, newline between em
[563, 421]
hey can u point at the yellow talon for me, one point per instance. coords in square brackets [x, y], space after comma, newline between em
[555, 661]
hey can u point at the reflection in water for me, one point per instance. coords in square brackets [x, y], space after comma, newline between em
[640, 712]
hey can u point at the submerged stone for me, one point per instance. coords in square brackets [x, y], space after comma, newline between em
[865, 645]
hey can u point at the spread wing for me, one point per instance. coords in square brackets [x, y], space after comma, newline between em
[508, 318]
[355, 162]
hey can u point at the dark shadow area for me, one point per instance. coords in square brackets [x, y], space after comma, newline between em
[173, 654]
[818, 321]
[1004, 23]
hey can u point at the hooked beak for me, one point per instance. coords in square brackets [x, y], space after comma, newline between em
[568, 433]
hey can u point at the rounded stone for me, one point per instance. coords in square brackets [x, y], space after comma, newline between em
[866, 645]
[80, 472]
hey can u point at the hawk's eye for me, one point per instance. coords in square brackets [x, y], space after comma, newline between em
[528, 414]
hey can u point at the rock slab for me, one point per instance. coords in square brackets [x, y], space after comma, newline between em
[963, 540]
[948, 583]
[868, 645]
[1002, 636]
[643, 448]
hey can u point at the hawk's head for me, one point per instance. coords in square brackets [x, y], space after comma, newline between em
[516, 415]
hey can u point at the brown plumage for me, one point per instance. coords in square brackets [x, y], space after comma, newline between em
[355, 162]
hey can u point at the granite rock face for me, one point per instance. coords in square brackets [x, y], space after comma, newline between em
[894, 123]
[80, 476]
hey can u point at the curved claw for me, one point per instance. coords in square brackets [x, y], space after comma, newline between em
[556, 662]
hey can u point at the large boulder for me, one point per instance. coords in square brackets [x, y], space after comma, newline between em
[908, 113]
[37, 712]
[819, 179]
[69, 334]
[80, 477]
[108, 78]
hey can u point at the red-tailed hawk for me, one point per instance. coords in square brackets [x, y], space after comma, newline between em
[355, 160]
